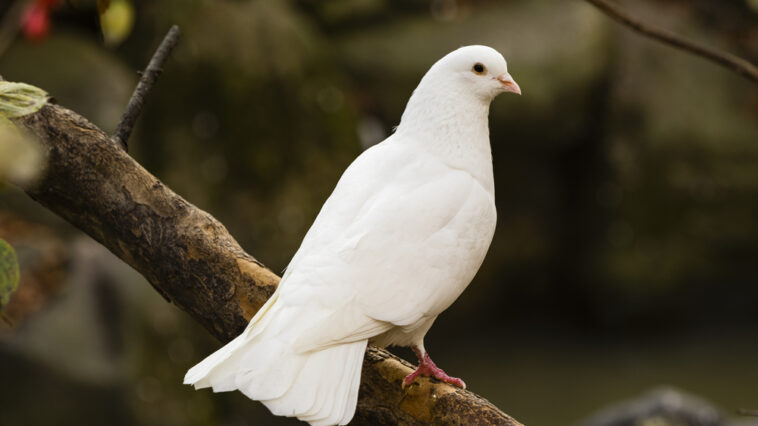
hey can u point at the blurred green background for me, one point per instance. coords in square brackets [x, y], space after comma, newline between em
[626, 252]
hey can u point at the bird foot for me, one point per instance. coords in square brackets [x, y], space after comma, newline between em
[427, 367]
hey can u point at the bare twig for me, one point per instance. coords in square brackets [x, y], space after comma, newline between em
[146, 82]
[747, 412]
[735, 63]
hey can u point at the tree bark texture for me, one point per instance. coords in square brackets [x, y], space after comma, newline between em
[192, 260]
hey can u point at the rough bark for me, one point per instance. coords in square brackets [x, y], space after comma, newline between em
[192, 260]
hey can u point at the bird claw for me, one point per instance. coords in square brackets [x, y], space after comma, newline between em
[408, 380]
[427, 368]
[454, 381]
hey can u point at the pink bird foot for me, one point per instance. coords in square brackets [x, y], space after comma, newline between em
[426, 367]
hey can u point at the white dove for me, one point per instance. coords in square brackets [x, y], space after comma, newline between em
[399, 239]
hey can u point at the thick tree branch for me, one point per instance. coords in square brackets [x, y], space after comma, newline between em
[146, 82]
[193, 261]
[735, 63]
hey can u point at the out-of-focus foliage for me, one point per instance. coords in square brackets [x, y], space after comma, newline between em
[102, 6]
[35, 22]
[21, 159]
[9, 274]
[43, 258]
[35, 19]
[20, 155]
[116, 20]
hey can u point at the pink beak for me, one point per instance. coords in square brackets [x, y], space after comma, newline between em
[509, 84]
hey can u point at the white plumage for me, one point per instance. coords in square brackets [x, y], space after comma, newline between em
[399, 239]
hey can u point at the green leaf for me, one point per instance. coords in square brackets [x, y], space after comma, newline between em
[117, 22]
[20, 99]
[9, 273]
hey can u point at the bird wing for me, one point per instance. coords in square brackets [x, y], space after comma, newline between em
[389, 246]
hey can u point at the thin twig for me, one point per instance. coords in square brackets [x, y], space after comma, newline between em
[735, 63]
[146, 82]
[746, 412]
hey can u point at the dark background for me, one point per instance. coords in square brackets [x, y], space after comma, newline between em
[626, 179]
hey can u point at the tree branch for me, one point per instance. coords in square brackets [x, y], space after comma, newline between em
[147, 80]
[725, 59]
[193, 261]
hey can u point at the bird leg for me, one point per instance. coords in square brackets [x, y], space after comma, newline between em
[426, 367]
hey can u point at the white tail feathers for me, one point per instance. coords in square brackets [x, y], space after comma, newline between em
[319, 387]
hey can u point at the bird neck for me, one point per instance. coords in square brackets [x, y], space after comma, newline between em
[453, 126]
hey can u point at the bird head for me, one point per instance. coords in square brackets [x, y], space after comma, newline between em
[456, 93]
[480, 70]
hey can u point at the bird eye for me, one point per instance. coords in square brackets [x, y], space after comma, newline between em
[479, 68]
